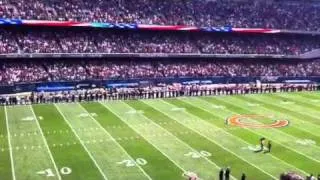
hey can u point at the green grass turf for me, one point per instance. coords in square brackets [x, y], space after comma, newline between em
[160, 139]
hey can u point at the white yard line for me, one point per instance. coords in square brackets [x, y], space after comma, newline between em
[81, 142]
[111, 137]
[45, 142]
[249, 143]
[168, 133]
[10, 146]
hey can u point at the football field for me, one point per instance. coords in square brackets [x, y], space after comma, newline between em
[160, 139]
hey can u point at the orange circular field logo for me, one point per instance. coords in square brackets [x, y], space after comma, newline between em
[240, 121]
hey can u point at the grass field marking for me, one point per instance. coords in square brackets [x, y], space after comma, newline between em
[246, 141]
[191, 148]
[10, 146]
[45, 142]
[284, 133]
[144, 138]
[111, 137]
[81, 142]
[213, 141]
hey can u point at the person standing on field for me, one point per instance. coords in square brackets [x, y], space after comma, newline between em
[243, 177]
[227, 174]
[221, 174]
[269, 146]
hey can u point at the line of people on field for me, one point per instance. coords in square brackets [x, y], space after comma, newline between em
[149, 92]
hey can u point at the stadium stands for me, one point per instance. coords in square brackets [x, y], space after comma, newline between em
[71, 70]
[295, 15]
[97, 41]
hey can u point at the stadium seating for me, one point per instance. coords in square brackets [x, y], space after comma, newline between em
[296, 15]
[97, 41]
[44, 71]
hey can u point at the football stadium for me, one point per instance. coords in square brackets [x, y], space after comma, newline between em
[159, 90]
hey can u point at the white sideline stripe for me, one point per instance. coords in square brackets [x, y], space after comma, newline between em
[247, 142]
[307, 156]
[45, 142]
[152, 122]
[81, 142]
[10, 146]
[145, 138]
[111, 137]
[213, 141]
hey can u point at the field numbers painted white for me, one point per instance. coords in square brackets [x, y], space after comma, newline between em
[84, 115]
[49, 172]
[46, 172]
[178, 109]
[218, 107]
[134, 112]
[254, 148]
[306, 142]
[251, 148]
[131, 163]
[94, 114]
[29, 118]
[65, 170]
[286, 102]
[253, 104]
[197, 155]
[141, 161]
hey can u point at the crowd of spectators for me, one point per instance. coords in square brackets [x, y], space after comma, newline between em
[256, 45]
[290, 14]
[34, 42]
[8, 44]
[97, 41]
[23, 72]
[64, 71]
[45, 71]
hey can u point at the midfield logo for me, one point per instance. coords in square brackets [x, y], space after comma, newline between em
[239, 120]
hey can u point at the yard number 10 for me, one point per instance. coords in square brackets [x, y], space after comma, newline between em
[49, 172]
